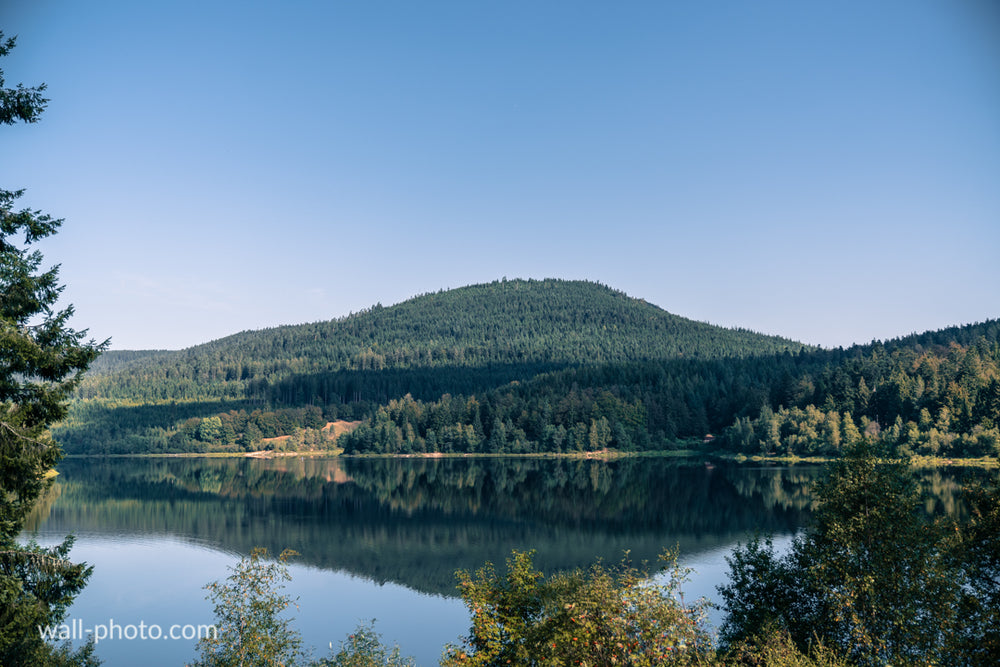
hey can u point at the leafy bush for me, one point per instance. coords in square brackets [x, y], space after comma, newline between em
[597, 616]
[248, 608]
[364, 648]
[874, 578]
[775, 648]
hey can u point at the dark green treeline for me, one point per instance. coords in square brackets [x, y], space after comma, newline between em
[543, 366]
[933, 395]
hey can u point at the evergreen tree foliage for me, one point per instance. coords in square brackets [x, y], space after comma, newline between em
[976, 553]
[524, 389]
[548, 365]
[875, 578]
[41, 361]
[37, 585]
[462, 343]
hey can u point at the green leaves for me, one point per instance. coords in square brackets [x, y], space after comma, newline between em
[598, 616]
[975, 548]
[41, 360]
[20, 103]
[875, 578]
[364, 648]
[37, 585]
[251, 630]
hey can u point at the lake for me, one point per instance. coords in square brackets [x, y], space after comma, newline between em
[382, 538]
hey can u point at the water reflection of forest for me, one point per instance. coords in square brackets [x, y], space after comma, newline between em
[414, 521]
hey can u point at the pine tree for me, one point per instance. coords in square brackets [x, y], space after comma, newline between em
[41, 361]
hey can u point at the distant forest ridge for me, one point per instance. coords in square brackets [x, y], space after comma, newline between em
[519, 366]
[525, 312]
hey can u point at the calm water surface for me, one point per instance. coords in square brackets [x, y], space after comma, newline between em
[382, 538]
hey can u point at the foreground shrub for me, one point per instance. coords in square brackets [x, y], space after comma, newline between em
[875, 578]
[254, 629]
[775, 648]
[251, 630]
[364, 648]
[595, 616]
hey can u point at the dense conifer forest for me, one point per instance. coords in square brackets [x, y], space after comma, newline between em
[519, 366]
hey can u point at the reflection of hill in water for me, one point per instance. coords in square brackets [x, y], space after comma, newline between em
[415, 521]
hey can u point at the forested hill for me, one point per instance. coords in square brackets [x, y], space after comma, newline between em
[242, 390]
[527, 366]
[936, 393]
[511, 328]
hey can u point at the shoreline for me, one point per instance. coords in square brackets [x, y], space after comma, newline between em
[602, 455]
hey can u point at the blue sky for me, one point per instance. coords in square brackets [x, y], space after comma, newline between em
[828, 172]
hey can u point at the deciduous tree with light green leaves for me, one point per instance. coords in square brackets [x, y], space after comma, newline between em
[253, 627]
[597, 616]
[364, 648]
[251, 630]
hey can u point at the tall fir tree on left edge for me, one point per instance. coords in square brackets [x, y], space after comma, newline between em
[41, 361]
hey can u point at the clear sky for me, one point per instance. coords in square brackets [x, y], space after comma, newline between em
[826, 171]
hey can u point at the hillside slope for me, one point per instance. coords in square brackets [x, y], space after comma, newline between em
[528, 366]
[931, 394]
[517, 323]
[463, 341]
